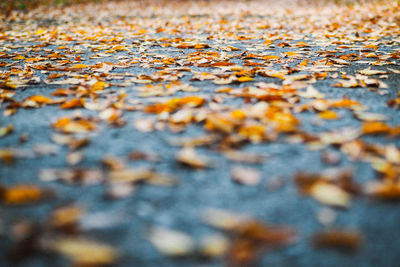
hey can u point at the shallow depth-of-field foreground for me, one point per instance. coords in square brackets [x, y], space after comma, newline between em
[200, 133]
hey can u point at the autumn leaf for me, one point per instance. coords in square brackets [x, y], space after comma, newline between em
[244, 79]
[139, 77]
[80, 66]
[171, 242]
[369, 71]
[189, 157]
[387, 190]
[328, 115]
[339, 239]
[330, 194]
[249, 237]
[73, 103]
[84, 252]
[23, 194]
[246, 176]
[6, 130]
[36, 101]
[68, 125]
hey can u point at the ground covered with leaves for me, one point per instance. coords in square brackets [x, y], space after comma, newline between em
[200, 134]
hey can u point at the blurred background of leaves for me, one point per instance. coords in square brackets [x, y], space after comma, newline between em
[7, 6]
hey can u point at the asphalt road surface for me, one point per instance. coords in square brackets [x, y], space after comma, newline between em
[124, 223]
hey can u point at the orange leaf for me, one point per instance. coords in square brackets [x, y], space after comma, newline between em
[21, 194]
[40, 99]
[238, 114]
[328, 115]
[244, 79]
[74, 126]
[73, 103]
[375, 127]
[79, 66]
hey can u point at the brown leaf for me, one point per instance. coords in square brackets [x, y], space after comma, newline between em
[333, 187]
[66, 217]
[250, 238]
[338, 239]
[386, 190]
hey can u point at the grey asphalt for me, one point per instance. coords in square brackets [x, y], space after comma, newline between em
[181, 207]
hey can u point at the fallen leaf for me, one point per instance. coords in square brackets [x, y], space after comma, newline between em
[214, 246]
[338, 239]
[330, 194]
[6, 130]
[171, 243]
[328, 115]
[372, 72]
[79, 66]
[189, 157]
[84, 252]
[68, 125]
[23, 194]
[72, 176]
[245, 175]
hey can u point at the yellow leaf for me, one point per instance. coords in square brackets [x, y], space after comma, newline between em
[330, 194]
[301, 44]
[84, 252]
[79, 66]
[19, 57]
[328, 115]
[238, 114]
[39, 32]
[244, 79]
[99, 86]
[6, 130]
[290, 54]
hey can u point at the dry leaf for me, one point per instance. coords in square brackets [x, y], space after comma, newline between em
[72, 176]
[245, 175]
[372, 72]
[170, 242]
[330, 194]
[84, 252]
[214, 246]
[338, 239]
[23, 194]
[189, 157]
[6, 130]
